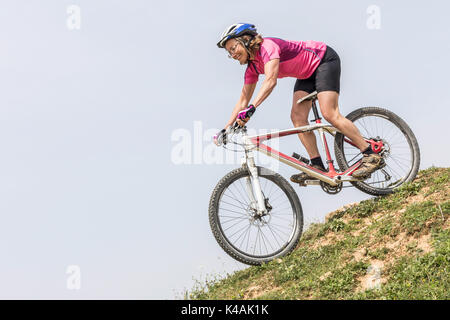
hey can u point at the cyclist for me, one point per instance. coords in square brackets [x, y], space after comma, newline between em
[315, 65]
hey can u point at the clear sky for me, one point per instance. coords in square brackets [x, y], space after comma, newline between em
[95, 96]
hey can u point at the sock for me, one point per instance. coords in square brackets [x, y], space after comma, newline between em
[318, 162]
[368, 150]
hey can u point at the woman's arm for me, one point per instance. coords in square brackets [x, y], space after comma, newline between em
[271, 71]
[246, 95]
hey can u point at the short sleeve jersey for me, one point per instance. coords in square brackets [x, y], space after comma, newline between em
[298, 59]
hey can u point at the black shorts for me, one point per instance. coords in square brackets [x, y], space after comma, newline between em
[326, 77]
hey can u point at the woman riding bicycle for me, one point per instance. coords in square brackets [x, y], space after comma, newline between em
[316, 67]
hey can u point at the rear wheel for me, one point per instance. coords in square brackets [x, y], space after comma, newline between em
[401, 153]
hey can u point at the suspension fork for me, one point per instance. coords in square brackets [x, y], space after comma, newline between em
[253, 184]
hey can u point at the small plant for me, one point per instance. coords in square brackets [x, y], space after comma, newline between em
[337, 225]
[364, 209]
[411, 246]
[416, 215]
[342, 281]
[410, 189]
[386, 227]
[379, 253]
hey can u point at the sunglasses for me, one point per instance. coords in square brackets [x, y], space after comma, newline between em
[232, 50]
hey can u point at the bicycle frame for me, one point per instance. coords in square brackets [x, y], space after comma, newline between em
[333, 177]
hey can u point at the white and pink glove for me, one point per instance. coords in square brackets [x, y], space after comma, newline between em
[245, 114]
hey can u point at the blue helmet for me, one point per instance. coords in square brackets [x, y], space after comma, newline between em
[236, 30]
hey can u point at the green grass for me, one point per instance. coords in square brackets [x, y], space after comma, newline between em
[419, 277]
[379, 254]
[416, 216]
[320, 269]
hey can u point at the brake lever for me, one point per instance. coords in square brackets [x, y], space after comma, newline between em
[230, 131]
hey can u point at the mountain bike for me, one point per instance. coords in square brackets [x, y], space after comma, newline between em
[255, 213]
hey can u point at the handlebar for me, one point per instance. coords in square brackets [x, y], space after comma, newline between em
[235, 128]
[231, 130]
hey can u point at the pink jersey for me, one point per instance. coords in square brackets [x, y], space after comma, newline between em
[298, 59]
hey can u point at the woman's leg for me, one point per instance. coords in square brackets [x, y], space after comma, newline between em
[299, 117]
[328, 101]
[371, 162]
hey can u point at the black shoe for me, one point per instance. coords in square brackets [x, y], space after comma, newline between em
[301, 177]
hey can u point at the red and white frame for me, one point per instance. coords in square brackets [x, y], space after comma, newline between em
[332, 177]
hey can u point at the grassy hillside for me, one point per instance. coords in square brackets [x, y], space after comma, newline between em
[393, 247]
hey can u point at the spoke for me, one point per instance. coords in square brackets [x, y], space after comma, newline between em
[280, 226]
[243, 206]
[400, 166]
[281, 231]
[388, 134]
[288, 220]
[269, 194]
[401, 147]
[393, 171]
[231, 218]
[241, 216]
[278, 190]
[256, 241]
[234, 217]
[273, 234]
[274, 200]
[235, 232]
[279, 203]
[402, 159]
[364, 126]
[232, 204]
[244, 234]
[232, 227]
[248, 238]
[381, 181]
[240, 194]
[376, 125]
[264, 242]
[282, 208]
[278, 214]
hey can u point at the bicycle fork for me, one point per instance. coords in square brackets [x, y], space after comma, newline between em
[253, 186]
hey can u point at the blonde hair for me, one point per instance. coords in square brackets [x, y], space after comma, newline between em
[254, 43]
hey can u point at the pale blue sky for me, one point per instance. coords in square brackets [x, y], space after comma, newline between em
[87, 116]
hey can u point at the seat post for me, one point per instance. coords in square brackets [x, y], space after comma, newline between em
[316, 113]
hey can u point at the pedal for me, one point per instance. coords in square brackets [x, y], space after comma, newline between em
[314, 182]
[305, 183]
[300, 158]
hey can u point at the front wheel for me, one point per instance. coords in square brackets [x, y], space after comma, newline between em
[401, 150]
[241, 232]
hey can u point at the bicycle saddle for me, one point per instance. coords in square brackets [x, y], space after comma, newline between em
[311, 96]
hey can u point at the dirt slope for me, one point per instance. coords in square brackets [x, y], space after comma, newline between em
[393, 247]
